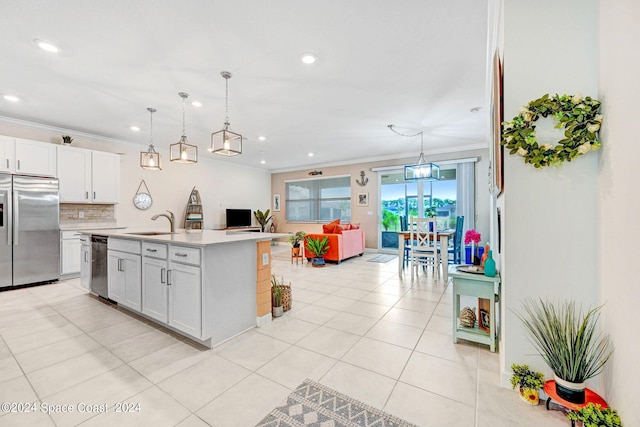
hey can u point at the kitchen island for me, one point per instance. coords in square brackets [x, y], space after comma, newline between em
[208, 285]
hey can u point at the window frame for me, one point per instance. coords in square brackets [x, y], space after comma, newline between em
[316, 202]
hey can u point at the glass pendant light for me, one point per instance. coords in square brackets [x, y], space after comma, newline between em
[421, 170]
[225, 142]
[150, 159]
[182, 151]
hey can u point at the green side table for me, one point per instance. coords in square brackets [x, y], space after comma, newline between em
[480, 286]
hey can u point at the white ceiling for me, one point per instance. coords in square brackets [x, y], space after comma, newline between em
[418, 64]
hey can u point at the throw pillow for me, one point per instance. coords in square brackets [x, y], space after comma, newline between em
[355, 226]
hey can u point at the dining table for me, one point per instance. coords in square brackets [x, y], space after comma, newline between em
[443, 237]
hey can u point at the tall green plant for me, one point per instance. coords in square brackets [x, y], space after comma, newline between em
[566, 338]
[318, 247]
[263, 218]
[276, 291]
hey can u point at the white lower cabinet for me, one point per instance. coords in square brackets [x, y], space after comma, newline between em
[154, 288]
[70, 259]
[172, 286]
[185, 298]
[85, 261]
[125, 278]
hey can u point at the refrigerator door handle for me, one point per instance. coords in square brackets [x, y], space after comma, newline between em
[7, 210]
[16, 214]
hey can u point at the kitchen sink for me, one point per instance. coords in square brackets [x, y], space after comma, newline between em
[151, 233]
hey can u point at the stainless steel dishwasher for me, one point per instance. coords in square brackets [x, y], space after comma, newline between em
[99, 284]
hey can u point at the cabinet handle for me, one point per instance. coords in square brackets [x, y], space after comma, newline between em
[162, 275]
[120, 267]
[86, 257]
[18, 164]
[169, 277]
[7, 163]
[181, 254]
[86, 195]
[94, 195]
[152, 250]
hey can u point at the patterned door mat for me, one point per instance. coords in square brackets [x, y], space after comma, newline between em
[313, 405]
[383, 258]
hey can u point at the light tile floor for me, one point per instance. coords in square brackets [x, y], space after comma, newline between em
[355, 327]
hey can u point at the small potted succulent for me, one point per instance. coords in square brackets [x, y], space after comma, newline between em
[317, 248]
[592, 415]
[529, 383]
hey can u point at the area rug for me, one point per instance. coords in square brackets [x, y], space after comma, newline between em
[314, 405]
[383, 258]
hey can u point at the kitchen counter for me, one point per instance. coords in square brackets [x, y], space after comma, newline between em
[204, 284]
[84, 225]
[186, 237]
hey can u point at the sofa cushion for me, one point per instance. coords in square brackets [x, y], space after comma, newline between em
[332, 227]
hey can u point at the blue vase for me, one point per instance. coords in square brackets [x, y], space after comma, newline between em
[490, 265]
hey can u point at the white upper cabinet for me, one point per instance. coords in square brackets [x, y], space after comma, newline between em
[88, 176]
[23, 156]
[105, 177]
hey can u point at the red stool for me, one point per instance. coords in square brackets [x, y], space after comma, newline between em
[589, 397]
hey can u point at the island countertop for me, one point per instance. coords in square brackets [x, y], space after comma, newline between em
[186, 237]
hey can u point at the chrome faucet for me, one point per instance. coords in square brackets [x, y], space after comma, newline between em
[170, 218]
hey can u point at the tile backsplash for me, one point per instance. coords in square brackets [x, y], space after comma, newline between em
[83, 212]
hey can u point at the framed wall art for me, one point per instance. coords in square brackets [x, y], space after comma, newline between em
[363, 199]
[276, 203]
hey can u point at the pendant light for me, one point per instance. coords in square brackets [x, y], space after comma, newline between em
[225, 142]
[150, 159]
[421, 170]
[182, 151]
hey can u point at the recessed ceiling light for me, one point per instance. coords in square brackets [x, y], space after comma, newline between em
[11, 98]
[310, 154]
[263, 161]
[135, 128]
[196, 104]
[49, 47]
[308, 58]
[262, 138]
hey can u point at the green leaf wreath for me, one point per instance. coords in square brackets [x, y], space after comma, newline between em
[577, 115]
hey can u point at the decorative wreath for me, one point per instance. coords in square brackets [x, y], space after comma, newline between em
[577, 115]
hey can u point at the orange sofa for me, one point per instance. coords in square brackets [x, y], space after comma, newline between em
[343, 244]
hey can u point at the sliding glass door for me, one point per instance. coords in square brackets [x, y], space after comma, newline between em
[400, 199]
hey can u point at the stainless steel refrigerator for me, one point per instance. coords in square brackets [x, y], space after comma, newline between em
[29, 230]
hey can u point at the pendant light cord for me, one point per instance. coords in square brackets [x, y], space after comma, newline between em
[391, 127]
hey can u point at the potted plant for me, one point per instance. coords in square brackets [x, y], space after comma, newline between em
[276, 296]
[295, 240]
[263, 218]
[529, 383]
[317, 248]
[472, 237]
[592, 415]
[568, 341]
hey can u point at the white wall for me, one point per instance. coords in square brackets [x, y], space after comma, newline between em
[221, 185]
[618, 197]
[550, 216]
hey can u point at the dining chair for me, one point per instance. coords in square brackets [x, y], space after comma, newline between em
[424, 245]
[457, 242]
[407, 246]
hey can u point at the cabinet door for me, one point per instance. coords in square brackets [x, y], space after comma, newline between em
[7, 153]
[133, 281]
[74, 174]
[185, 298]
[105, 177]
[85, 266]
[70, 256]
[154, 288]
[35, 158]
[116, 276]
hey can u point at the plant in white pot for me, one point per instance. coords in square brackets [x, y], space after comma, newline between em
[528, 382]
[276, 296]
[569, 342]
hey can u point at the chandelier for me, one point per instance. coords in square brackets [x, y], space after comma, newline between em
[225, 142]
[150, 159]
[421, 170]
[182, 151]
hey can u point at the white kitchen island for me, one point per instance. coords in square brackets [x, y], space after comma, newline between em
[207, 285]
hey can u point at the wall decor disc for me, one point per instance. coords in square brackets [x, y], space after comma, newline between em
[142, 200]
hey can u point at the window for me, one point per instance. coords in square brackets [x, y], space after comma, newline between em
[319, 200]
